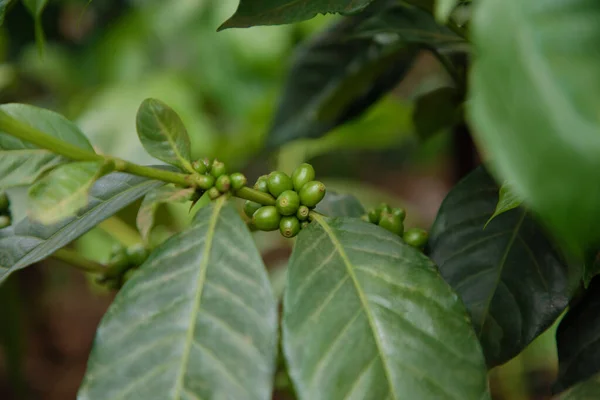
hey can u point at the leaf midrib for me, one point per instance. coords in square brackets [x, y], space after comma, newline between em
[189, 339]
[349, 268]
[184, 161]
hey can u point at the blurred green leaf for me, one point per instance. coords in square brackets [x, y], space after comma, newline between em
[510, 276]
[507, 200]
[12, 336]
[3, 6]
[63, 192]
[357, 293]
[36, 7]
[163, 134]
[27, 242]
[444, 8]
[534, 107]
[436, 111]
[219, 336]
[21, 163]
[588, 390]
[275, 12]
[340, 205]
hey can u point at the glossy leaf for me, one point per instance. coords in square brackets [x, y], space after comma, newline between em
[21, 163]
[368, 317]
[27, 242]
[63, 192]
[198, 321]
[163, 134]
[436, 111]
[335, 77]
[578, 340]
[507, 200]
[588, 390]
[340, 205]
[509, 275]
[156, 197]
[277, 12]
[534, 106]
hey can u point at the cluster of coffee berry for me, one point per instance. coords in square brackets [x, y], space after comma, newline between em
[214, 180]
[392, 219]
[5, 219]
[122, 264]
[295, 197]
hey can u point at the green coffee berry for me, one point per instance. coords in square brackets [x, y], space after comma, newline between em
[4, 203]
[207, 163]
[261, 184]
[128, 275]
[289, 226]
[400, 212]
[287, 203]
[365, 218]
[238, 180]
[213, 193]
[391, 223]
[312, 193]
[374, 215]
[250, 208]
[302, 213]
[266, 218]
[279, 182]
[304, 224]
[137, 254]
[218, 169]
[223, 183]
[205, 182]
[416, 237]
[4, 221]
[199, 167]
[302, 175]
[384, 207]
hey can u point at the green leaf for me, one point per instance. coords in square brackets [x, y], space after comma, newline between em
[588, 390]
[156, 197]
[340, 205]
[444, 8]
[21, 163]
[277, 12]
[3, 6]
[335, 77]
[436, 111]
[578, 340]
[36, 8]
[507, 200]
[534, 106]
[163, 134]
[197, 321]
[27, 242]
[368, 317]
[509, 275]
[63, 192]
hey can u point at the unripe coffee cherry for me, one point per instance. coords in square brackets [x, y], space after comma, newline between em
[199, 167]
[261, 184]
[218, 169]
[312, 193]
[266, 218]
[416, 237]
[213, 193]
[205, 182]
[279, 182]
[400, 212]
[223, 183]
[4, 221]
[304, 224]
[289, 226]
[238, 180]
[391, 223]
[287, 203]
[250, 208]
[302, 175]
[302, 213]
[4, 203]
[374, 216]
[137, 254]
[384, 207]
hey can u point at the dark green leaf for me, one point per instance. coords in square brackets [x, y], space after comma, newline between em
[277, 12]
[335, 77]
[507, 200]
[36, 8]
[588, 390]
[27, 242]
[436, 111]
[3, 6]
[63, 192]
[198, 321]
[578, 340]
[21, 163]
[534, 105]
[340, 205]
[163, 134]
[509, 275]
[368, 317]
[156, 197]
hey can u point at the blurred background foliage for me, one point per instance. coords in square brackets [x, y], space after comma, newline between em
[103, 57]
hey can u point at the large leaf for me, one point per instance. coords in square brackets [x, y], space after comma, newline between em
[588, 390]
[163, 134]
[368, 317]
[578, 340]
[276, 12]
[63, 192]
[335, 77]
[534, 105]
[21, 162]
[340, 205]
[507, 200]
[198, 321]
[436, 111]
[508, 274]
[27, 242]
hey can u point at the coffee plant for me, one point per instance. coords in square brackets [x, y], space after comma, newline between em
[371, 309]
